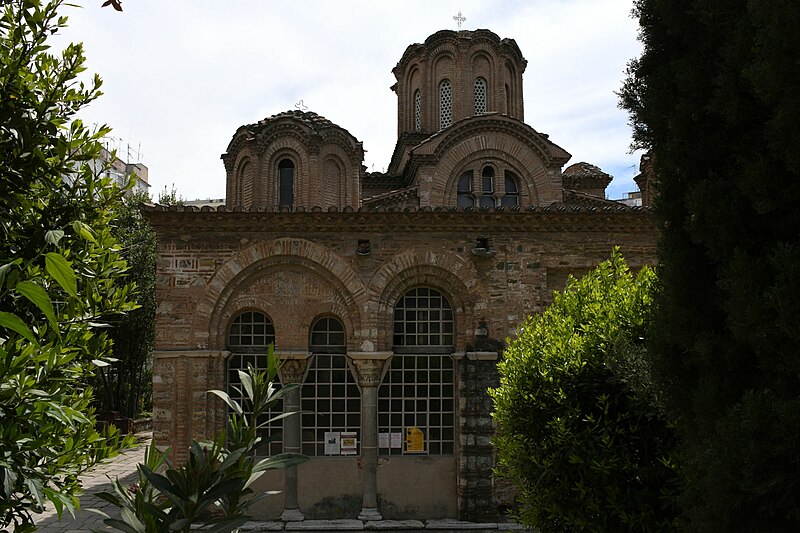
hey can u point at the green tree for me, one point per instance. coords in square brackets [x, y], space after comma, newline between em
[715, 99]
[59, 268]
[580, 431]
[126, 386]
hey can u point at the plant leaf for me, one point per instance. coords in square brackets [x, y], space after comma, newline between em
[53, 236]
[39, 297]
[61, 271]
[15, 323]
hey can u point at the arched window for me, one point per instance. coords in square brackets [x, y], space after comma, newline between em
[508, 99]
[286, 182]
[246, 183]
[445, 104]
[249, 336]
[487, 187]
[417, 110]
[511, 197]
[330, 397]
[417, 394]
[498, 186]
[465, 196]
[423, 321]
[480, 96]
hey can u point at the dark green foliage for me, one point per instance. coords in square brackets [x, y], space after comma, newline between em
[126, 386]
[61, 273]
[580, 429]
[715, 98]
[212, 488]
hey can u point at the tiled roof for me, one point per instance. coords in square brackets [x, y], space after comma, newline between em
[603, 206]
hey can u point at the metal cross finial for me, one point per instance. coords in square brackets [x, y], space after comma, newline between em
[460, 19]
[301, 106]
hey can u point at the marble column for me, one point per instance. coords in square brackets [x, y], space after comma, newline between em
[292, 369]
[369, 368]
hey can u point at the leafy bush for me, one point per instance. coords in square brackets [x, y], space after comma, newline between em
[61, 272]
[212, 489]
[580, 431]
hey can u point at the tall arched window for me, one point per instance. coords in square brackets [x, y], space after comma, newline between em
[286, 182]
[330, 397]
[445, 104]
[465, 196]
[487, 187]
[417, 394]
[417, 110]
[480, 96]
[511, 196]
[249, 336]
[246, 184]
[508, 99]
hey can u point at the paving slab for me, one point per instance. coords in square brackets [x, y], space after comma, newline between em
[325, 525]
[394, 525]
[262, 526]
[458, 525]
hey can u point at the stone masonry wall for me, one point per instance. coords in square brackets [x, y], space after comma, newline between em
[214, 264]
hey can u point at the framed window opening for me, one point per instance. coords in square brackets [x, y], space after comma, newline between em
[416, 400]
[249, 337]
[445, 104]
[286, 183]
[480, 96]
[330, 395]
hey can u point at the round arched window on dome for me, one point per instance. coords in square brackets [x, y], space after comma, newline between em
[480, 96]
[417, 110]
[286, 183]
[445, 104]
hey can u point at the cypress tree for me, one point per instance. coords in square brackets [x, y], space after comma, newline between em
[715, 97]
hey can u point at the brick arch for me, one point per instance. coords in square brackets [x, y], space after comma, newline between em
[254, 260]
[528, 191]
[536, 187]
[284, 147]
[453, 276]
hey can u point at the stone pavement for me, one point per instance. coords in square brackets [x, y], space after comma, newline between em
[96, 480]
[123, 467]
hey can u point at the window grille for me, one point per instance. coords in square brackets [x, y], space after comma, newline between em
[423, 318]
[249, 336]
[417, 391]
[487, 193]
[445, 104]
[286, 182]
[417, 110]
[330, 394]
[480, 96]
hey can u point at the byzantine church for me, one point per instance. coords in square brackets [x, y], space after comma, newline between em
[388, 296]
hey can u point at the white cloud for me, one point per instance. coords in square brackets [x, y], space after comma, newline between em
[181, 76]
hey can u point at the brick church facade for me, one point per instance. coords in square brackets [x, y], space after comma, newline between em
[388, 296]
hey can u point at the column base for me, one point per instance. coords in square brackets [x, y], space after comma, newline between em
[292, 515]
[369, 513]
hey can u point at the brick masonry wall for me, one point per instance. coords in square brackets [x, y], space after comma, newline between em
[298, 266]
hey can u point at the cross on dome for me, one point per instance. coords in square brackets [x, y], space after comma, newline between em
[460, 19]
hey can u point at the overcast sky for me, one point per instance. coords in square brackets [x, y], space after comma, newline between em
[181, 75]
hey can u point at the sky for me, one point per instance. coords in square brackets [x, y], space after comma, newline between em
[180, 76]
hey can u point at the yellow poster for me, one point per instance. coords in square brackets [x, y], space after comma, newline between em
[415, 440]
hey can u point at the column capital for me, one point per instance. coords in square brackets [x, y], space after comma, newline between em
[370, 371]
[293, 370]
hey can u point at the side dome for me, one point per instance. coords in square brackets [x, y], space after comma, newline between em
[292, 159]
